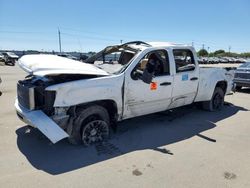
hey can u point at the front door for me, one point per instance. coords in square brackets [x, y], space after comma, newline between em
[142, 98]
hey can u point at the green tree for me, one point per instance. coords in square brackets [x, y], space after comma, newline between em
[202, 52]
[246, 54]
[217, 52]
[91, 53]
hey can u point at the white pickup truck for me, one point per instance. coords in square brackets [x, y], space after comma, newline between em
[83, 101]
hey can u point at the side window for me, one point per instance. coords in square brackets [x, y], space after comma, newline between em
[184, 60]
[161, 61]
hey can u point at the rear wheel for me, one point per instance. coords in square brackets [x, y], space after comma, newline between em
[92, 125]
[217, 101]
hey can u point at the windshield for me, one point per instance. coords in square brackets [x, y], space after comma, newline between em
[114, 59]
[113, 63]
[245, 65]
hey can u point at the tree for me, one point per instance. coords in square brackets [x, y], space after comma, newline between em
[217, 52]
[246, 54]
[202, 52]
[91, 53]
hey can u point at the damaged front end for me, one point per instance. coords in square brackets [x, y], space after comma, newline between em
[35, 105]
[40, 120]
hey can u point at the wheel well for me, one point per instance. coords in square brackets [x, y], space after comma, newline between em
[110, 105]
[222, 85]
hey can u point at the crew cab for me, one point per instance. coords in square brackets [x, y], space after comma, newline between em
[84, 101]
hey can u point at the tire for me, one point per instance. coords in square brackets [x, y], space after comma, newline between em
[238, 88]
[217, 101]
[91, 125]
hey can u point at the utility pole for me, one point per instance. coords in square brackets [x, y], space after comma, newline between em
[203, 46]
[59, 35]
[229, 49]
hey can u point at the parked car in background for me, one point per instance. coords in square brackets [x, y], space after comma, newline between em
[10, 58]
[83, 57]
[1, 57]
[0, 83]
[242, 76]
[217, 60]
[240, 60]
[202, 60]
[213, 60]
[223, 60]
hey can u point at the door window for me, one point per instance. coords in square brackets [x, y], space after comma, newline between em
[156, 61]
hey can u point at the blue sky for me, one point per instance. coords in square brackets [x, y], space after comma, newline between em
[91, 25]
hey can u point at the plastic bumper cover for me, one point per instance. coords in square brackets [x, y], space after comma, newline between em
[41, 121]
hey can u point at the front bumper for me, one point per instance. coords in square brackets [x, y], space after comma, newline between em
[41, 121]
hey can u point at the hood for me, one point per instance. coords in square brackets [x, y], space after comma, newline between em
[243, 69]
[42, 65]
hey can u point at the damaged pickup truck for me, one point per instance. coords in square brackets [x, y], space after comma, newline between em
[84, 101]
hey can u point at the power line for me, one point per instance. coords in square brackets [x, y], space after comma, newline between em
[96, 33]
[90, 37]
[116, 38]
[23, 32]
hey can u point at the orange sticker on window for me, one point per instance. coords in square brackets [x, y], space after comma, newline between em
[153, 86]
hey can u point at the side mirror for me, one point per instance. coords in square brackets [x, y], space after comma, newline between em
[147, 77]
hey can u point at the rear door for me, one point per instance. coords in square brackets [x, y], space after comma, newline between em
[186, 77]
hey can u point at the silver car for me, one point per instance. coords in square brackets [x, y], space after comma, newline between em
[242, 76]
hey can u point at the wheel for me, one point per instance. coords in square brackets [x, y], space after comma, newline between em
[217, 101]
[238, 88]
[94, 130]
[91, 125]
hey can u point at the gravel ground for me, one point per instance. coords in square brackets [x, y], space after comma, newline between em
[187, 147]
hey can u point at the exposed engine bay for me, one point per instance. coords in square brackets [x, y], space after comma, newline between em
[33, 96]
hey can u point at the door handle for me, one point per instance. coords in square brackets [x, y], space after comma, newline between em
[194, 78]
[165, 83]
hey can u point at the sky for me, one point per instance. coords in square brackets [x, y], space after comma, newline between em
[90, 25]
